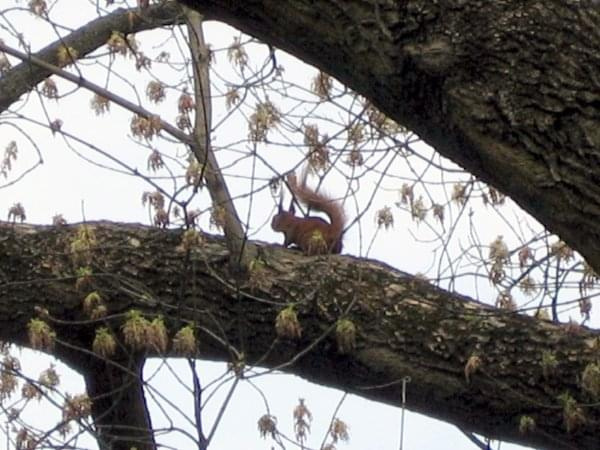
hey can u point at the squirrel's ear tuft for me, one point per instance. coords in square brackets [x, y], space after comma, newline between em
[291, 209]
[280, 205]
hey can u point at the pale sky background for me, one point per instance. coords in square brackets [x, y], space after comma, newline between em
[66, 183]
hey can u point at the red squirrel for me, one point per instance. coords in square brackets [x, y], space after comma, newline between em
[312, 235]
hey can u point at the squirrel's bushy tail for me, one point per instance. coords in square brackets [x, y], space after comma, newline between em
[319, 202]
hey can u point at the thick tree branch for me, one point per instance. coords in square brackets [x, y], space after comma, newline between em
[405, 326]
[507, 89]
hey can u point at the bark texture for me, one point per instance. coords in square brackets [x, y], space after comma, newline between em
[120, 412]
[508, 89]
[472, 365]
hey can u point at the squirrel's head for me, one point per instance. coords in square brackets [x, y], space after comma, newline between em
[282, 219]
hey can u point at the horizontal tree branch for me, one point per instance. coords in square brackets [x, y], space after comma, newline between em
[480, 368]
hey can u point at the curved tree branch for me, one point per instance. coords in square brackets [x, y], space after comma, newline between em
[509, 90]
[21, 78]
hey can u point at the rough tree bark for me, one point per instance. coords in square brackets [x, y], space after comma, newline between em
[405, 326]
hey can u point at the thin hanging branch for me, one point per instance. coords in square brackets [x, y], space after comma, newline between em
[82, 82]
[215, 182]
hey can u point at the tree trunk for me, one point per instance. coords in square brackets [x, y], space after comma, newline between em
[478, 367]
[119, 408]
[507, 89]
